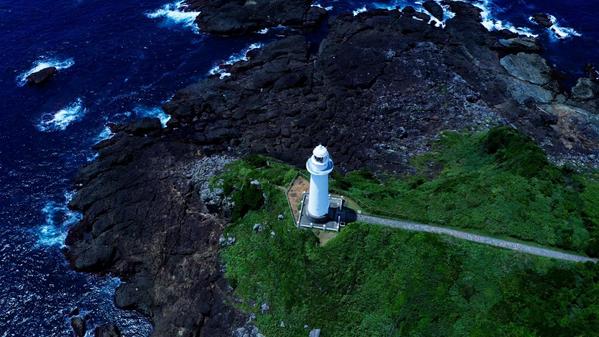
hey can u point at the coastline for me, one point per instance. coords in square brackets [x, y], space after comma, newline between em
[141, 198]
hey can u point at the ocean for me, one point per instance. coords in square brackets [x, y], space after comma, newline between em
[119, 60]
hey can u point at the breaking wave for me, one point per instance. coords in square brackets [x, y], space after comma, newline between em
[42, 63]
[57, 220]
[61, 119]
[220, 69]
[106, 133]
[492, 24]
[557, 31]
[359, 10]
[174, 14]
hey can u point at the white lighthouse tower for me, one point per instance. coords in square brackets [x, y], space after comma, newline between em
[319, 165]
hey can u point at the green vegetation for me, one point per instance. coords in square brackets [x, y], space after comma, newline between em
[374, 281]
[497, 183]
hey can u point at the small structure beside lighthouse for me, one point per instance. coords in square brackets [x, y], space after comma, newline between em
[319, 209]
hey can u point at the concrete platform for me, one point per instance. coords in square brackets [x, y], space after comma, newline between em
[332, 222]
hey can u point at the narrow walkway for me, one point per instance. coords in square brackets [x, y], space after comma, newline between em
[486, 240]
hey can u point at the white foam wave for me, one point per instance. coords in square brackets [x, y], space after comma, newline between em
[61, 119]
[237, 57]
[557, 31]
[106, 133]
[327, 8]
[42, 63]
[174, 14]
[57, 220]
[359, 10]
[493, 24]
[154, 112]
[417, 5]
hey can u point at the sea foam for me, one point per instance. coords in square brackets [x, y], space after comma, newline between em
[492, 24]
[42, 63]
[57, 220]
[61, 119]
[174, 14]
[557, 31]
[359, 10]
[154, 112]
[237, 57]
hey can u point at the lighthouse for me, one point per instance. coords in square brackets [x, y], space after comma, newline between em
[319, 165]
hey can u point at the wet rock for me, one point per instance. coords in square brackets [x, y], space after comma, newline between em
[41, 76]
[542, 19]
[78, 326]
[434, 8]
[107, 330]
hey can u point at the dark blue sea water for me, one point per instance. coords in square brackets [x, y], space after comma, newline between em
[118, 60]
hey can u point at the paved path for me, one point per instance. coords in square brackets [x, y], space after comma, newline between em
[486, 240]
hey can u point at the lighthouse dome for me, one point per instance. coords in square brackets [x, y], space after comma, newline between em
[320, 162]
[320, 152]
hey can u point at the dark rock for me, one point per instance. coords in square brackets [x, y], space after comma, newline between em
[542, 19]
[519, 44]
[74, 312]
[78, 326]
[107, 330]
[144, 126]
[434, 8]
[408, 10]
[226, 17]
[159, 237]
[41, 76]
[593, 72]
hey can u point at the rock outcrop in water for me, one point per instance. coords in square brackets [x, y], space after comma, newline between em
[41, 76]
[377, 90]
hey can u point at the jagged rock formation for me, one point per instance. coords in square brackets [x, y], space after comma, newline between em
[381, 87]
[41, 76]
[237, 17]
[377, 90]
[145, 222]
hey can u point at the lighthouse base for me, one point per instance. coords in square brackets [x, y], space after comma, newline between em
[332, 221]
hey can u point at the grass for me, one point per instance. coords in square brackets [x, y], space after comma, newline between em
[375, 281]
[497, 183]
